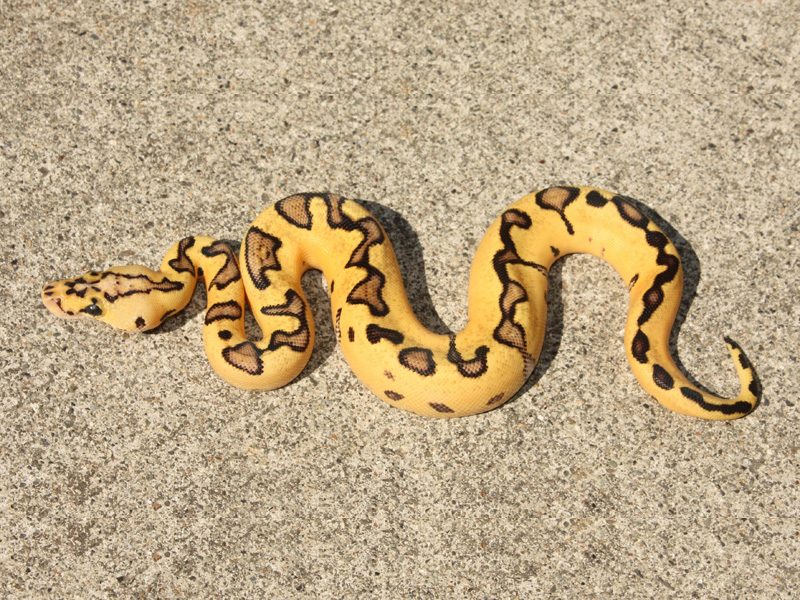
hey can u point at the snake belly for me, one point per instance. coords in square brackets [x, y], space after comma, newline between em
[390, 351]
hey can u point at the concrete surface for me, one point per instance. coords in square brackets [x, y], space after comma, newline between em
[128, 470]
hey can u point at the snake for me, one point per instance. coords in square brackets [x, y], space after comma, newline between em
[389, 350]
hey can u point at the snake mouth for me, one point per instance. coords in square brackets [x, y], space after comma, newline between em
[53, 304]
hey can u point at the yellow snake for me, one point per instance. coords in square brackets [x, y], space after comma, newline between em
[397, 358]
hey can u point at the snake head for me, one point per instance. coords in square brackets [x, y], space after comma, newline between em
[122, 297]
[75, 298]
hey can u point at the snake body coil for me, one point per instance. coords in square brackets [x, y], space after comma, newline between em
[401, 361]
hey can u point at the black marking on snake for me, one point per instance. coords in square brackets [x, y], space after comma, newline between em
[144, 283]
[640, 346]
[742, 358]
[373, 236]
[182, 263]
[368, 291]
[245, 357]
[557, 199]
[753, 387]
[495, 399]
[528, 363]
[230, 269]
[439, 407]
[336, 324]
[656, 239]
[80, 292]
[419, 360]
[351, 334]
[224, 334]
[332, 282]
[509, 332]
[223, 310]
[596, 199]
[625, 207]
[393, 395]
[472, 368]
[261, 255]
[293, 307]
[630, 213]
[662, 378]
[691, 394]
[376, 333]
[555, 251]
[653, 297]
[297, 210]
[140, 322]
[336, 218]
[726, 409]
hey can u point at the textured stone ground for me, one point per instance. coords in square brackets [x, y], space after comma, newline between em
[129, 470]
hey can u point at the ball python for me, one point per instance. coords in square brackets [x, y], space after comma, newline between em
[389, 350]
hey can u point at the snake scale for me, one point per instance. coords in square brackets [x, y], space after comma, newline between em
[389, 350]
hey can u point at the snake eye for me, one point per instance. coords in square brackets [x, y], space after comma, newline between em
[93, 310]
